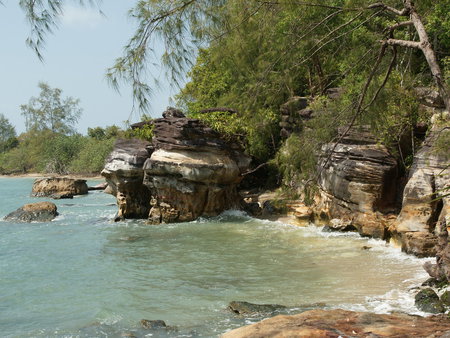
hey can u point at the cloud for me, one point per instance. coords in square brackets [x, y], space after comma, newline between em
[82, 17]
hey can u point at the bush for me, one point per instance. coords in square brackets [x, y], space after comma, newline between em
[91, 157]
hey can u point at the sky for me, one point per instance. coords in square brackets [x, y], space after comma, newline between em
[76, 57]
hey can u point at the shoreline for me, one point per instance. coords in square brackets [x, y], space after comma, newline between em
[38, 175]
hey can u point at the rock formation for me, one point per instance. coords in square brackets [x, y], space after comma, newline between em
[59, 187]
[357, 180]
[342, 323]
[422, 208]
[34, 212]
[187, 171]
[124, 175]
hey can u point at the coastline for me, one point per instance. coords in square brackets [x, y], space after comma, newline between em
[40, 175]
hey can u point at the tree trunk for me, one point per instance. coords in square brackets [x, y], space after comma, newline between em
[429, 54]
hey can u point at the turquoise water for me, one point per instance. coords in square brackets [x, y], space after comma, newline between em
[83, 275]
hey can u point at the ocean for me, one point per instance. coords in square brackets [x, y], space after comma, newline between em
[83, 275]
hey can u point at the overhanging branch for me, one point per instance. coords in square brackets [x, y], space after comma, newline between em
[403, 43]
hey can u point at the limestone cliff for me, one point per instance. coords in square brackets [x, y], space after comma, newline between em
[186, 172]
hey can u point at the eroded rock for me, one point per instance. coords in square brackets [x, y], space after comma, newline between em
[124, 175]
[357, 181]
[34, 212]
[187, 171]
[421, 209]
[193, 172]
[59, 187]
[342, 323]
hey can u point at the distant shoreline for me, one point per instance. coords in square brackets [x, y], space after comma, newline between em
[38, 175]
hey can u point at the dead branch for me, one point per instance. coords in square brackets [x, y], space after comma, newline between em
[378, 5]
[255, 169]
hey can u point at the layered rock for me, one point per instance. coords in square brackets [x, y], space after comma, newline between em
[357, 180]
[342, 323]
[186, 172]
[124, 175]
[192, 172]
[422, 208]
[34, 212]
[59, 187]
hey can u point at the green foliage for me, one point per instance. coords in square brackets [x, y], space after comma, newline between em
[51, 112]
[210, 81]
[144, 133]
[47, 152]
[58, 151]
[92, 155]
[441, 146]
[109, 132]
[438, 26]
[8, 139]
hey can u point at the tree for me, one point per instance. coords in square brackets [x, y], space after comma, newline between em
[51, 112]
[8, 137]
[409, 11]
[182, 24]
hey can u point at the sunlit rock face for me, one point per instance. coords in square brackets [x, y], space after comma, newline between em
[357, 180]
[186, 172]
[342, 323]
[58, 187]
[421, 209]
[192, 171]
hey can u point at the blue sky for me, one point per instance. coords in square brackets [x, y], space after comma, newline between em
[76, 57]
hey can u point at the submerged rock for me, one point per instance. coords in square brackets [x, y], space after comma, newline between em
[428, 301]
[100, 186]
[250, 308]
[59, 187]
[34, 212]
[153, 324]
[342, 323]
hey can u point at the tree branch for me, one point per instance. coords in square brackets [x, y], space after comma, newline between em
[403, 12]
[403, 43]
[400, 24]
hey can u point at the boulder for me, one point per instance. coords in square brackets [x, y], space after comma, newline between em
[58, 187]
[342, 323]
[445, 298]
[427, 300]
[34, 212]
[246, 308]
[337, 224]
[357, 181]
[187, 171]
